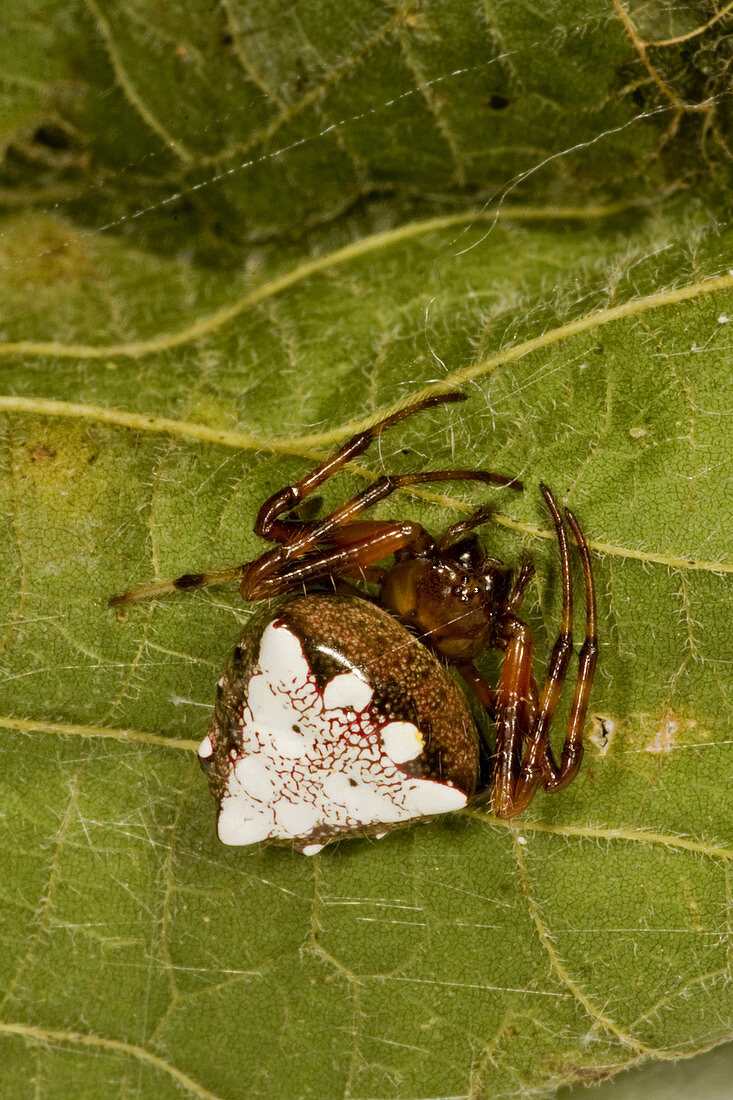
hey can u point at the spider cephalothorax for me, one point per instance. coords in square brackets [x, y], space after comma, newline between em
[453, 597]
[337, 714]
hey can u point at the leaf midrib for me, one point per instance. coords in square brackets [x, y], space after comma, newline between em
[212, 322]
[640, 836]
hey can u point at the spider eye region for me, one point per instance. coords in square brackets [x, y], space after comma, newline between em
[303, 750]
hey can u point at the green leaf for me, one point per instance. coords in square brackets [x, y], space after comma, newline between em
[161, 378]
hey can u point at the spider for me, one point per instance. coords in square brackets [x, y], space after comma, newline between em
[337, 713]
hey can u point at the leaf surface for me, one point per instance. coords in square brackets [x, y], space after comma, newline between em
[159, 382]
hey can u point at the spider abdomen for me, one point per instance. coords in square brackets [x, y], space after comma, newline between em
[332, 719]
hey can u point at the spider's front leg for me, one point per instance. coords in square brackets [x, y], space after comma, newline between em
[339, 547]
[311, 550]
[523, 755]
[336, 546]
[519, 759]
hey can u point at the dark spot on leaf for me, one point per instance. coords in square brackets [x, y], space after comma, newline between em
[53, 137]
[498, 102]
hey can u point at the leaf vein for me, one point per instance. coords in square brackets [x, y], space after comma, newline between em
[636, 836]
[313, 95]
[599, 1017]
[129, 90]
[212, 322]
[43, 913]
[426, 91]
[69, 729]
[48, 1035]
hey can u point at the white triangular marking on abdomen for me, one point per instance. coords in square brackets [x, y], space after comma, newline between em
[317, 762]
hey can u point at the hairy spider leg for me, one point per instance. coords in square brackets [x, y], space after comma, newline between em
[513, 721]
[525, 573]
[356, 546]
[524, 757]
[485, 694]
[269, 526]
[531, 764]
[456, 531]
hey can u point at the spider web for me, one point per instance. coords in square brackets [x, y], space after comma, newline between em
[230, 239]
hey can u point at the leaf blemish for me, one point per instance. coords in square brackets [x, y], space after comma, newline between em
[664, 739]
[42, 453]
[602, 733]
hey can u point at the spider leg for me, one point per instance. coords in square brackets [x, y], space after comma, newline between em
[356, 545]
[538, 753]
[533, 763]
[185, 583]
[300, 536]
[515, 779]
[518, 776]
[485, 694]
[272, 575]
[456, 531]
[267, 524]
[524, 576]
[191, 581]
[572, 753]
